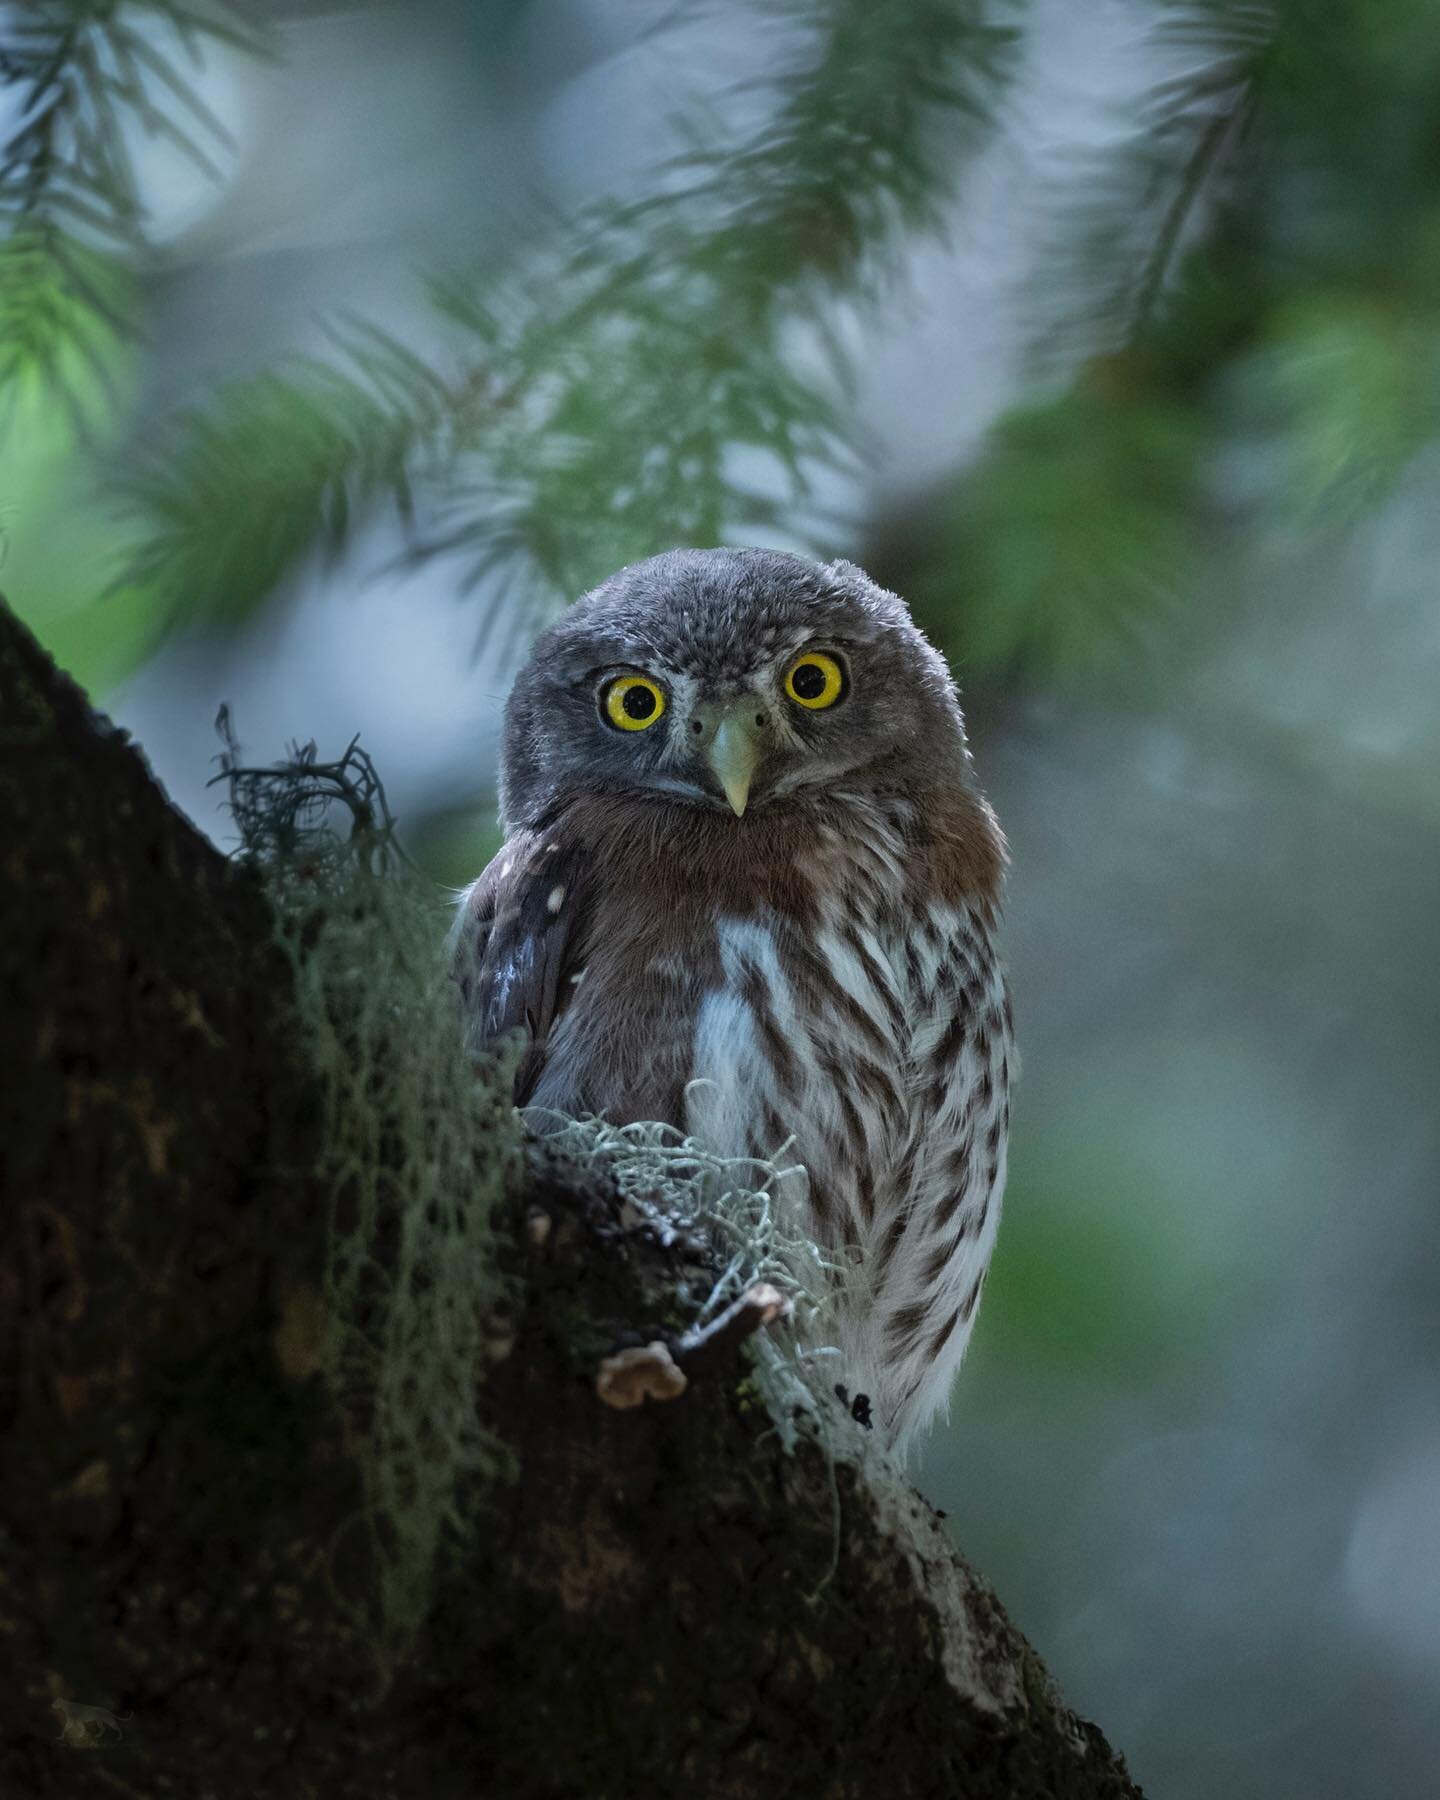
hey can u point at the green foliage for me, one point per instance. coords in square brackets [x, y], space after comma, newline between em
[57, 544]
[1246, 277]
[1250, 257]
[1074, 527]
[82, 68]
[1121, 218]
[277, 466]
[622, 415]
[1351, 389]
[634, 388]
[80, 74]
[860, 144]
[63, 305]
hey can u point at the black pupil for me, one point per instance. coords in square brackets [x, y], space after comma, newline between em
[638, 702]
[808, 681]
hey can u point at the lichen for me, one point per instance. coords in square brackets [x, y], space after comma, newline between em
[417, 1147]
[418, 1150]
[736, 1207]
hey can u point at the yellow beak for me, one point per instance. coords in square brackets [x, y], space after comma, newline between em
[735, 753]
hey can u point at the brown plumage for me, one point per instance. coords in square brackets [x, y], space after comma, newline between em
[750, 888]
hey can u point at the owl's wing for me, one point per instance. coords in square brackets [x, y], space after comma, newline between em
[513, 945]
[930, 1242]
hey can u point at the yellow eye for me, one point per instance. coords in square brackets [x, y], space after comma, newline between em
[633, 702]
[815, 680]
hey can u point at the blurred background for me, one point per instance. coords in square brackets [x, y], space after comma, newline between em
[340, 346]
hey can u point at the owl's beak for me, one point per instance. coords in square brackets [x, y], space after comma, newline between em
[735, 753]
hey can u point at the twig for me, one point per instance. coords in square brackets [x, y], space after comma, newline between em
[708, 1346]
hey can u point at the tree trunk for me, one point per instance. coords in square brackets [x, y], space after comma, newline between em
[659, 1600]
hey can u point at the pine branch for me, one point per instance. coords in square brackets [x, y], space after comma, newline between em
[1122, 217]
[236, 494]
[84, 74]
[63, 304]
[616, 419]
[1345, 390]
[1072, 533]
[652, 381]
[864, 141]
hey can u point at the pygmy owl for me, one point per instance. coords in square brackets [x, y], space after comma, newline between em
[749, 887]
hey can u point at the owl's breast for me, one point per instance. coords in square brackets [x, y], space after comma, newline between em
[799, 1055]
[747, 988]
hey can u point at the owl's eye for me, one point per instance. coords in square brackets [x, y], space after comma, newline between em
[815, 680]
[633, 702]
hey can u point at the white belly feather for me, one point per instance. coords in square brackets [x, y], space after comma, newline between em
[908, 1171]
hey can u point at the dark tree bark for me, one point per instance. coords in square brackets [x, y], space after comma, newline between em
[638, 1606]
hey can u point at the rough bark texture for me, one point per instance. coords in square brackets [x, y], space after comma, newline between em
[639, 1608]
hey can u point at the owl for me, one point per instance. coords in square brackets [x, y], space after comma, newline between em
[749, 887]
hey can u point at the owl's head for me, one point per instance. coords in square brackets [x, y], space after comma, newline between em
[730, 679]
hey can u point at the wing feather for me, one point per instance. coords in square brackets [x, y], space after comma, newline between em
[928, 1266]
[514, 945]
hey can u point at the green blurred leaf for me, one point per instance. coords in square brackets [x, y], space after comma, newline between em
[77, 76]
[1348, 388]
[64, 306]
[1074, 530]
[1074, 1291]
[57, 537]
[1120, 219]
[1091, 1273]
[237, 492]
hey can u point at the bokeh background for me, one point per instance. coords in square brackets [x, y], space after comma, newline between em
[341, 345]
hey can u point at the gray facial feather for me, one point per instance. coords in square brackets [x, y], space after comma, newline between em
[708, 625]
